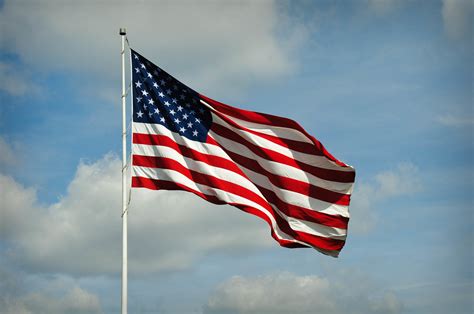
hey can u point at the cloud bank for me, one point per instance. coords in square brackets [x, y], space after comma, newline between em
[213, 45]
[81, 234]
[289, 293]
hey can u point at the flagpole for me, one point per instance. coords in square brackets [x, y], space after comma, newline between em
[123, 33]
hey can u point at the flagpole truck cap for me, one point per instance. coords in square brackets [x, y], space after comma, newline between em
[123, 31]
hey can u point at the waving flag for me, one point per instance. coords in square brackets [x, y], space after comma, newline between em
[265, 165]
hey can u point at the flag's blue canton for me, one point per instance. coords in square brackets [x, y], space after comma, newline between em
[160, 98]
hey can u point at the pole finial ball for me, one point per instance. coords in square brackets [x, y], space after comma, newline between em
[123, 31]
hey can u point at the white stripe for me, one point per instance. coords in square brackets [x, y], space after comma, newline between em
[177, 177]
[281, 169]
[316, 229]
[313, 160]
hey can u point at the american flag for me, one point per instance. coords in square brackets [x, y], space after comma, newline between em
[265, 165]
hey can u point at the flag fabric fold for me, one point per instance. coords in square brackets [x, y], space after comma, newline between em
[265, 165]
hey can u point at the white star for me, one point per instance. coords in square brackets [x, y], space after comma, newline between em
[150, 114]
[192, 112]
[182, 129]
[163, 82]
[162, 119]
[172, 112]
[157, 110]
[139, 99]
[185, 116]
[168, 91]
[145, 106]
[161, 95]
[167, 103]
[180, 108]
[136, 57]
[142, 65]
[151, 102]
[140, 114]
[188, 105]
[198, 121]
[155, 85]
[174, 100]
[137, 70]
[190, 125]
[145, 93]
[138, 84]
[149, 75]
[155, 72]
[177, 120]
[195, 133]
[182, 96]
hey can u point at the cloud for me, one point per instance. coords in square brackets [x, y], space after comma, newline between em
[404, 180]
[455, 121]
[215, 45]
[290, 293]
[55, 297]
[457, 18]
[382, 7]
[8, 157]
[81, 233]
[15, 82]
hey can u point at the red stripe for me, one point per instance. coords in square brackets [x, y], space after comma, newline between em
[268, 119]
[299, 146]
[326, 174]
[281, 182]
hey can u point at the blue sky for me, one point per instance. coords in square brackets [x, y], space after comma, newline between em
[385, 85]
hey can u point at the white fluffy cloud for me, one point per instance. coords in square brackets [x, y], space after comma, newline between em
[289, 293]
[81, 234]
[213, 45]
[404, 180]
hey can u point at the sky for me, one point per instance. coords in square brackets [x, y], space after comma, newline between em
[386, 86]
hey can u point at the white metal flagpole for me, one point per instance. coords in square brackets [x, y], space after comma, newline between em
[123, 32]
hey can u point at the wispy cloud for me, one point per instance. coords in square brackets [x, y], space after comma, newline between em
[16, 82]
[455, 121]
[404, 180]
[457, 18]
